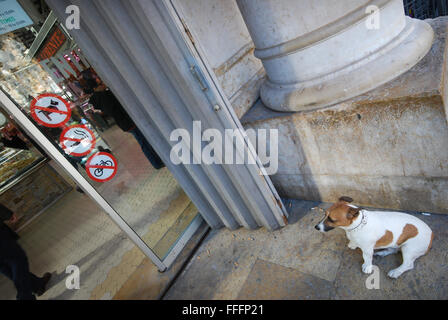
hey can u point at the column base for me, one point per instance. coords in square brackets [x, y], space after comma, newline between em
[383, 65]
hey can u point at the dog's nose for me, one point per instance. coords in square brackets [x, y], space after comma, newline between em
[316, 227]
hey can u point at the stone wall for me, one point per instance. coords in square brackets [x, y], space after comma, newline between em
[217, 29]
[387, 148]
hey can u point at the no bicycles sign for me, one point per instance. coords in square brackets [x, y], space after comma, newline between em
[101, 167]
[50, 110]
[77, 140]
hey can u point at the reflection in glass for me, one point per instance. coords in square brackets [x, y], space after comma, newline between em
[143, 191]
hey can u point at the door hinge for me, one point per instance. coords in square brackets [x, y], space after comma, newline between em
[199, 77]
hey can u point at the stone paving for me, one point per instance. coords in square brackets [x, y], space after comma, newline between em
[298, 262]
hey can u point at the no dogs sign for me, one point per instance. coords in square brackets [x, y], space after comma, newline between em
[50, 110]
[77, 140]
[101, 167]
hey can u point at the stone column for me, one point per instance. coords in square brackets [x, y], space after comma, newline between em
[318, 53]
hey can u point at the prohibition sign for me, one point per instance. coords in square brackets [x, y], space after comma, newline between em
[50, 110]
[101, 167]
[77, 140]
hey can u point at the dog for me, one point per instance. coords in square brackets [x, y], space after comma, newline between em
[389, 232]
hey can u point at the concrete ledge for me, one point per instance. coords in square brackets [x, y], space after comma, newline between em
[248, 94]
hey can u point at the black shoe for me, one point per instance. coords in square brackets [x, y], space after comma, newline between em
[45, 279]
[79, 190]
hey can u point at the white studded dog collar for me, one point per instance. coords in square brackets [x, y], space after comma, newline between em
[362, 223]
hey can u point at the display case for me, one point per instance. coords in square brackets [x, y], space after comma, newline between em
[16, 164]
[28, 184]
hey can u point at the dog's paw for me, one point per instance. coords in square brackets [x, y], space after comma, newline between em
[394, 274]
[352, 246]
[367, 268]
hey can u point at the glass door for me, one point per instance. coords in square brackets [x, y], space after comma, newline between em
[55, 95]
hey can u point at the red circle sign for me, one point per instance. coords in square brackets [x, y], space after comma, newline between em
[101, 167]
[77, 140]
[50, 110]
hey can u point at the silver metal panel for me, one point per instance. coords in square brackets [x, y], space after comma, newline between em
[140, 50]
[46, 27]
[258, 173]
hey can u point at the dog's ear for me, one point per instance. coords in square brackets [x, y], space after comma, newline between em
[346, 199]
[353, 213]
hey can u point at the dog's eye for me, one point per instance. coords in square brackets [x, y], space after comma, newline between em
[331, 220]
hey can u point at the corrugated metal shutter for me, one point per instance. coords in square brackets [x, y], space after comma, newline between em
[139, 50]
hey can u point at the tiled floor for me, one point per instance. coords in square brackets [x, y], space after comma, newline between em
[298, 262]
[296, 284]
[75, 231]
[147, 283]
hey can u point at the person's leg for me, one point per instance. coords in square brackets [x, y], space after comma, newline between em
[100, 122]
[40, 284]
[147, 149]
[15, 266]
[5, 270]
[21, 276]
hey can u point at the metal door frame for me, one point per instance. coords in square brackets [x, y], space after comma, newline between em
[31, 129]
[216, 94]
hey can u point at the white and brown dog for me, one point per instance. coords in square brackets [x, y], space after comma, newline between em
[372, 230]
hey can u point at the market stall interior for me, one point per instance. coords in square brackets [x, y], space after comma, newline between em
[47, 79]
